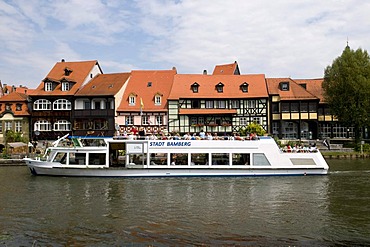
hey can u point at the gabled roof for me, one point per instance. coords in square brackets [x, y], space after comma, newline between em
[145, 84]
[227, 69]
[314, 86]
[295, 92]
[104, 85]
[207, 86]
[14, 97]
[79, 72]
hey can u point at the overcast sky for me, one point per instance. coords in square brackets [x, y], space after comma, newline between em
[286, 38]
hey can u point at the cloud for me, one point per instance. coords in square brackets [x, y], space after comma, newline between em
[277, 38]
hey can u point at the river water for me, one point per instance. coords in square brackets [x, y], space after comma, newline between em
[332, 210]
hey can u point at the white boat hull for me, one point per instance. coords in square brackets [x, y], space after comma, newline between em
[177, 172]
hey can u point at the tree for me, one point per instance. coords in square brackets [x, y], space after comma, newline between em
[255, 128]
[346, 89]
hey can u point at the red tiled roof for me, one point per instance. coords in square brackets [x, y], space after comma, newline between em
[146, 84]
[80, 71]
[206, 111]
[295, 92]
[104, 84]
[207, 86]
[16, 98]
[225, 69]
[314, 86]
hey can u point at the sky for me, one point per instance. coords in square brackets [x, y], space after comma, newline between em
[281, 38]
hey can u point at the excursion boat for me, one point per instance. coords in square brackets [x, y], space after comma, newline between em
[111, 157]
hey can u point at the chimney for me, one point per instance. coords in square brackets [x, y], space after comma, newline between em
[204, 72]
[173, 68]
[63, 60]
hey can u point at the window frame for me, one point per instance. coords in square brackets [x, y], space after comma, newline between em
[62, 105]
[42, 104]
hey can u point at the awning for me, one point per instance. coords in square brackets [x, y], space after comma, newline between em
[17, 144]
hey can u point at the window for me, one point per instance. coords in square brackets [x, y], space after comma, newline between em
[243, 121]
[42, 104]
[193, 121]
[159, 120]
[294, 107]
[42, 125]
[65, 86]
[275, 107]
[18, 107]
[209, 104]
[195, 87]
[221, 104]
[129, 120]
[144, 120]
[8, 107]
[257, 120]
[8, 125]
[158, 100]
[312, 107]
[131, 100]
[1, 127]
[18, 126]
[284, 107]
[62, 104]
[304, 107]
[201, 120]
[96, 105]
[220, 87]
[48, 86]
[251, 104]
[62, 125]
[195, 104]
[284, 86]
[244, 87]
[235, 104]
[87, 105]
[149, 84]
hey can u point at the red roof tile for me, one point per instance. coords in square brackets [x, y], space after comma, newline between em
[15, 98]
[207, 86]
[104, 84]
[314, 86]
[295, 92]
[146, 84]
[226, 69]
[80, 71]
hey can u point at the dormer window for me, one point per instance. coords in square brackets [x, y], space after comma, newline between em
[220, 87]
[284, 86]
[132, 100]
[18, 107]
[48, 86]
[65, 86]
[149, 84]
[244, 87]
[67, 71]
[8, 107]
[195, 87]
[158, 100]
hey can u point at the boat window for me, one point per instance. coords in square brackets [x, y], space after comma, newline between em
[158, 159]
[241, 159]
[97, 159]
[220, 159]
[179, 159]
[260, 160]
[199, 159]
[77, 158]
[61, 157]
[137, 159]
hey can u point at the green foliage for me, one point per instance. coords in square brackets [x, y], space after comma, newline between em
[12, 136]
[254, 128]
[347, 89]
